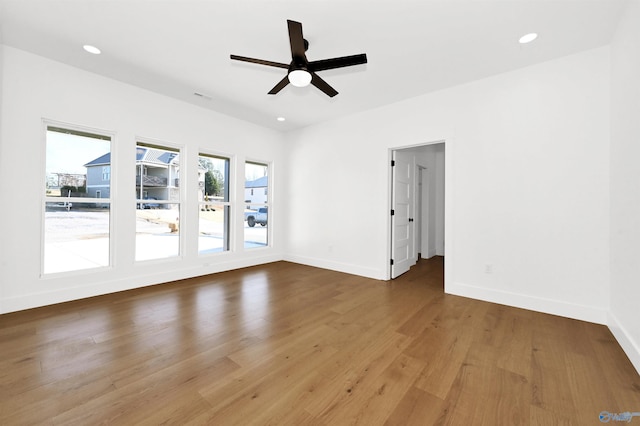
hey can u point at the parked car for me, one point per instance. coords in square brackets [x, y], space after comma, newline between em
[256, 216]
[150, 205]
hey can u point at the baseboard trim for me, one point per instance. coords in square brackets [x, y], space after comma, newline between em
[628, 344]
[549, 306]
[347, 268]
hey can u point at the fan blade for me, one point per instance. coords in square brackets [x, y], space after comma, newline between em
[281, 85]
[344, 61]
[260, 61]
[323, 85]
[296, 40]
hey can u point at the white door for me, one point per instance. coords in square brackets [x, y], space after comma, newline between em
[402, 232]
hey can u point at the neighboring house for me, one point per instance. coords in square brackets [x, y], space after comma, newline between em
[255, 191]
[99, 177]
[157, 175]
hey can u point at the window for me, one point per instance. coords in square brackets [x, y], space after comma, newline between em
[214, 206]
[106, 173]
[158, 200]
[77, 201]
[257, 205]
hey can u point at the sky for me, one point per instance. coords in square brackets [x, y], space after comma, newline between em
[69, 153]
[254, 171]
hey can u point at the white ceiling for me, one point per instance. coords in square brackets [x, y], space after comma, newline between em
[178, 47]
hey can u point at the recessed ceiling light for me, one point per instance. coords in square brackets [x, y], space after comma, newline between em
[91, 49]
[280, 118]
[528, 38]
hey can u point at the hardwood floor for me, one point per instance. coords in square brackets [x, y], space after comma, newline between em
[286, 344]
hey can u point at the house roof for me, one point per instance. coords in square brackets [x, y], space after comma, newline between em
[100, 161]
[262, 182]
[155, 156]
[143, 155]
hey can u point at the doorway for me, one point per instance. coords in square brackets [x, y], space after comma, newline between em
[422, 197]
[417, 205]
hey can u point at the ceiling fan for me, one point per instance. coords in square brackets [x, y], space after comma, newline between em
[301, 72]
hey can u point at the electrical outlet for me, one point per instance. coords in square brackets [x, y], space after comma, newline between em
[488, 268]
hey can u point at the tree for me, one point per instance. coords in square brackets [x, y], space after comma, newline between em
[211, 185]
[219, 179]
[213, 178]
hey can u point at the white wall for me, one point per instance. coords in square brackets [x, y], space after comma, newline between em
[1, 93]
[527, 186]
[2, 249]
[624, 320]
[35, 88]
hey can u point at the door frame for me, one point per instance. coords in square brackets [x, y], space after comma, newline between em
[421, 176]
[448, 207]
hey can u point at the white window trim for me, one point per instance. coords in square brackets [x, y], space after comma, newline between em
[112, 135]
[182, 201]
[231, 203]
[268, 203]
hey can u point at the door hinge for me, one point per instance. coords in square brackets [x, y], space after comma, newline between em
[393, 163]
[391, 262]
[393, 212]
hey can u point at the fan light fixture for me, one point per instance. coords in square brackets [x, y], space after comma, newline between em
[300, 78]
[301, 72]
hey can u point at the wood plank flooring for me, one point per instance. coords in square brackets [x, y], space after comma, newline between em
[285, 344]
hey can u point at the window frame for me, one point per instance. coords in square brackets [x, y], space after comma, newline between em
[268, 203]
[85, 131]
[228, 244]
[181, 151]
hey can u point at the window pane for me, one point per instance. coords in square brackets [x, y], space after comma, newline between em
[256, 208]
[157, 173]
[76, 236]
[213, 190]
[213, 175]
[74, 163]
[213, 226]
[76, 229]
[158, 202]
[255, 226]
[157, 231]
[256, 183]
